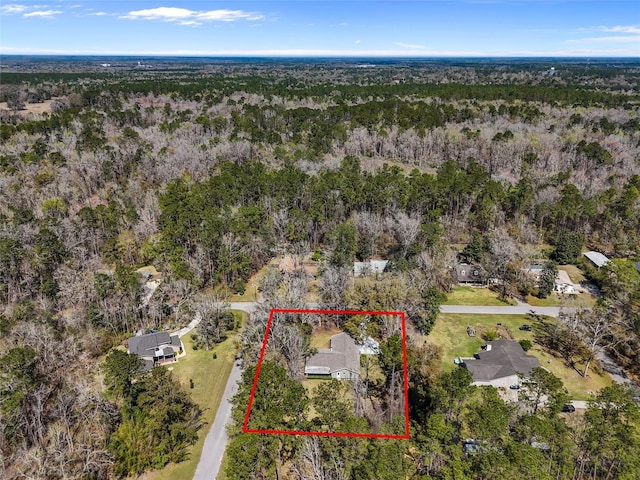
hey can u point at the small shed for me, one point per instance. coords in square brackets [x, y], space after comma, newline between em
[597, 258]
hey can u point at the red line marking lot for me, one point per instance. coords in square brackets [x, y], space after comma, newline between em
[245, 427]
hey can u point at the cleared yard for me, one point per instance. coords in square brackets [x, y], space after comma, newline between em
[450, 333]
[464, 295]
[575, 274]
[321, 337]
[555, 300]
[251, 292]
[209, 377]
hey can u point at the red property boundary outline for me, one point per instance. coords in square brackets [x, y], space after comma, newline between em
[406, 435]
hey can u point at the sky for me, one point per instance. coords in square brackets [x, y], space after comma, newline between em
[415, 28]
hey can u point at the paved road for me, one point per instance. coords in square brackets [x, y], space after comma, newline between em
[216, 441]
[248, 307]
[192, 324]
[520, 309]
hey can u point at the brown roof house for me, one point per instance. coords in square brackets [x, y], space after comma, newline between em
[340, 361]
[156, 348]
[500, 364]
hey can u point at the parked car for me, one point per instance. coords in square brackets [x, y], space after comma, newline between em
[568, 408]
[525, 327]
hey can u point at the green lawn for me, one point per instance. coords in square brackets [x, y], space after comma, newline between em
[575, 274]
[209, 381]
[251, 288]
[221, 473]
[463, 295]
[321, 336]
[555, 300]
[450, 333]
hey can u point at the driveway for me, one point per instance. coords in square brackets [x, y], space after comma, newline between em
[216, 442]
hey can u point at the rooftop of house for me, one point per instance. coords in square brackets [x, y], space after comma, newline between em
[598, 259]
[343, 354]
[502, 359]
[146, 345]
[467, 272]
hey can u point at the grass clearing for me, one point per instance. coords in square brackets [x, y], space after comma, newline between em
[555, 300]
[251, 288]
[579, 388]
[465, 295]
[575, 274]
[450, 333]
[209, 381]
[321, 337]
[222, 474]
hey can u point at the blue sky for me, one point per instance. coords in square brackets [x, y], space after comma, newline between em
[322, 28]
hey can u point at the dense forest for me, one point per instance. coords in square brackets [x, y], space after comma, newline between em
[209, 169]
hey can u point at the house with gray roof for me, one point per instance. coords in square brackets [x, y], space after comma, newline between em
[469, 273]
[598, 259]
[500, 364]
[340, 361]
[156, 348]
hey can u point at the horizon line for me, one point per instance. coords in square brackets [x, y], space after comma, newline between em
[329, 56]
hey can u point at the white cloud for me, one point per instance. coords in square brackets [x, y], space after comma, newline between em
[357, 42]
[621, 29]
[609, 39]
[9, 9]
[191, 17]
[411, 45]
[43, 13]
[228, 15]
[627, 34]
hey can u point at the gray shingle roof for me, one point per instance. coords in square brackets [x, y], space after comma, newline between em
[505, 358]
[469, 273]
[146, 345]
[343, 355]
